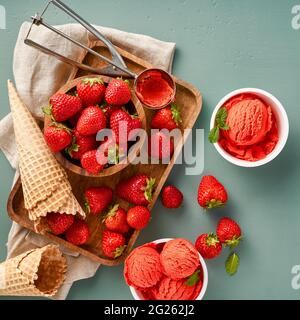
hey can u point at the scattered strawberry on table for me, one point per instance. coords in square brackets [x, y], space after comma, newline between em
[113, 244]
[229, 232]
[171, 197]
[211, 193]
[208, 246]
[137, 189]
[97, 199]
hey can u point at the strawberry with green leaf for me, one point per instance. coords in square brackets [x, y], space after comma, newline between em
[113, 244]
[229, 232]
[208, 246]
[211, 193]
[57, 136]
[116, 219]
[220, 124]
[167, 118]
[91, 91]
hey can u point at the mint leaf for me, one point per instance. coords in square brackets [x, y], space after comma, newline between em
[213, 136]
[193, 279]
[232, 263]
[221, 118]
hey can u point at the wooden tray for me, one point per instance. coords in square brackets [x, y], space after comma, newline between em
[190, 101]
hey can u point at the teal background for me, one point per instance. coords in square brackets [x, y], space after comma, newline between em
[221, 46]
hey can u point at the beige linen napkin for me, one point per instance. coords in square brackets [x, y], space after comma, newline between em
[37, 77]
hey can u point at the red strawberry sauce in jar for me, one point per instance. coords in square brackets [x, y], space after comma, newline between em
[155, 88]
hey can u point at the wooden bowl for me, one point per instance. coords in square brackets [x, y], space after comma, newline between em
[70, 86]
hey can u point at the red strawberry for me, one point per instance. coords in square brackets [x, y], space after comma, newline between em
[80, 145]
[117, 92]
[113, 244]
[59, 222]
[160, 146]
[57, 137]
[91, 120]
[78, 233]
[122, 122]
[137, 189]
[208, 246]
[172, 197]
[97, 199]
[109, 110]
[116, 220]
[93, 161]
[211, 193]
[63, 106]
[166, 118]
[138, 217]
[91, 91]
[229, 232]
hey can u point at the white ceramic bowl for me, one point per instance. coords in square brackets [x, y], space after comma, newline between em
[137, 295]
[282, 122]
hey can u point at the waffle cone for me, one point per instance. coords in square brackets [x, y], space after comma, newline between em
[44, 182]
[38, 272]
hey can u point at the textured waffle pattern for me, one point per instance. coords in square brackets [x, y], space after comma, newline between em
[38, 272]
[40, 172]
[45, 184]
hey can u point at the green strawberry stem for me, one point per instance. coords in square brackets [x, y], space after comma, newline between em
[111, 212]
[212, 240]
[234, 242]
[92, 81]
[176, 113]
[72, 148]
[149, 189]
[214, 203]
[119, 251]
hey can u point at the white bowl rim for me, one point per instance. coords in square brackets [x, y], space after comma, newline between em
[281, 143]
[136, 296]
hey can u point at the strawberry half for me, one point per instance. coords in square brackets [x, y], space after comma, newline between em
[211, 193]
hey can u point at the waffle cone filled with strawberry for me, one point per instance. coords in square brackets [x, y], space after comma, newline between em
[45, 185]
[37, 272]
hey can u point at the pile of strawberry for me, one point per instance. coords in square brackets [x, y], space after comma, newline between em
[78, 117]
[137, 190]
